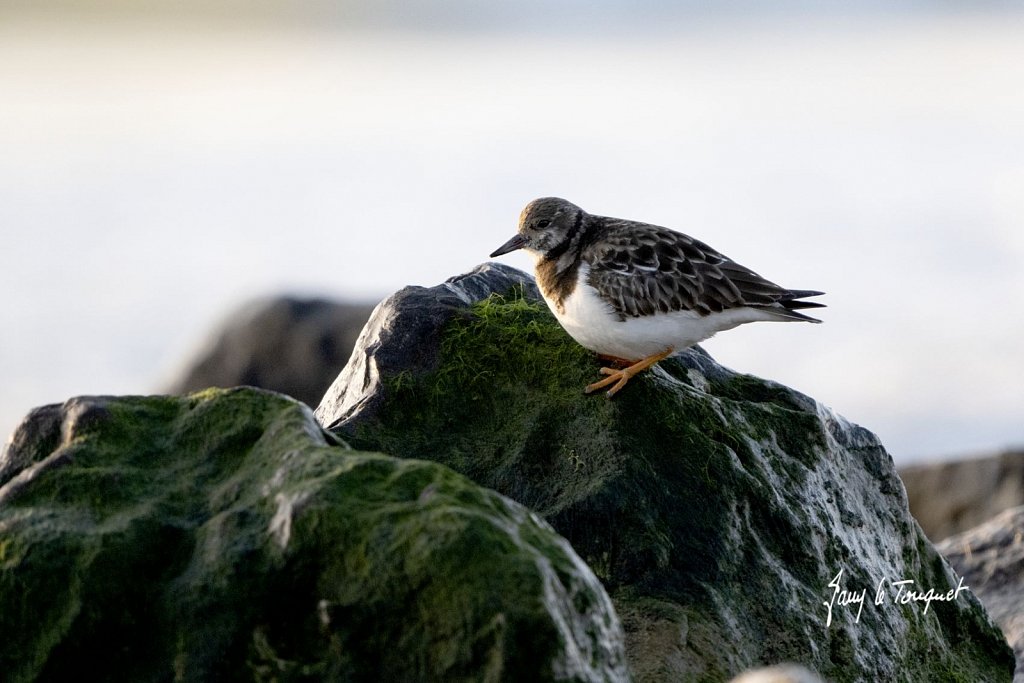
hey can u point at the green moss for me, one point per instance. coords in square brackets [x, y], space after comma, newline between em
[508, 338]
[221, 537]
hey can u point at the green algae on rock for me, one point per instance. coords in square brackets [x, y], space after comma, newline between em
[715, 507]
[225, 536]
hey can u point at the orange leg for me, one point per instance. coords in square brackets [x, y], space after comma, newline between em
[621, 375]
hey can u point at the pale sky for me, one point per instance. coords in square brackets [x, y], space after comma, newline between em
[154, 176]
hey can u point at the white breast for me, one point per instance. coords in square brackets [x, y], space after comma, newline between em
[591, 321]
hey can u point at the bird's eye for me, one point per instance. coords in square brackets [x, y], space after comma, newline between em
[543, 223]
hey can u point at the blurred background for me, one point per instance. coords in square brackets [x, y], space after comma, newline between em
[163, 162]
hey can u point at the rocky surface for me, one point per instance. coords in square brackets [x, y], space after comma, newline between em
[225, 536]
[950, 497]
[286, 344]
[716, 507]
[403, 337]
[991, 559]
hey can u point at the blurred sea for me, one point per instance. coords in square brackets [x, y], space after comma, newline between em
[156, 171]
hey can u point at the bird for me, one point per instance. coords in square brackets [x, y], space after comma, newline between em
[636, 293]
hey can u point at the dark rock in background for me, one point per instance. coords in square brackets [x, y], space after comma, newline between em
[225, 536]
[991, 559]
[285, 344]
[950, 497]
[715, 507]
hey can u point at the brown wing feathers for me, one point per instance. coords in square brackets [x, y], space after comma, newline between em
[643, 269]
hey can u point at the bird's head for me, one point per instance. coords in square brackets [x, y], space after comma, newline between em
[546, 228]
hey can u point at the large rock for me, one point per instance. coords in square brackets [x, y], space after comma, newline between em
[950, 497]
[991, 559]
[716, 507]
[224, 536]
[286, 344]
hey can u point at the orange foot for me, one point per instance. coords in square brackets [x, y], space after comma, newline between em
[621, 375]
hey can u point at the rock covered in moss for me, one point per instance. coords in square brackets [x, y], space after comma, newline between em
[716, 507]
[404, 336]
[225, 536]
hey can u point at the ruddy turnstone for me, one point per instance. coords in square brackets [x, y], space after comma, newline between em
[637, 293]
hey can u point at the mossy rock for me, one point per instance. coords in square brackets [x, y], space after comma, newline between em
[224, 536]
[716, 507]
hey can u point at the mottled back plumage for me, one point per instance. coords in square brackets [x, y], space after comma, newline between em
[642, 269]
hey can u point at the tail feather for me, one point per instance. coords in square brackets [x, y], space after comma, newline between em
[791, 301]
[801, 304]
[789, 314]
[801, 293]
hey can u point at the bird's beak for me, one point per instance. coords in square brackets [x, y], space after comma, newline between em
[516, 242]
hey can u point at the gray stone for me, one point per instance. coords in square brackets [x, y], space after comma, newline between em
[286, 344]
[716, 507]
[950, 497]
[991, 559]
[224, 536]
